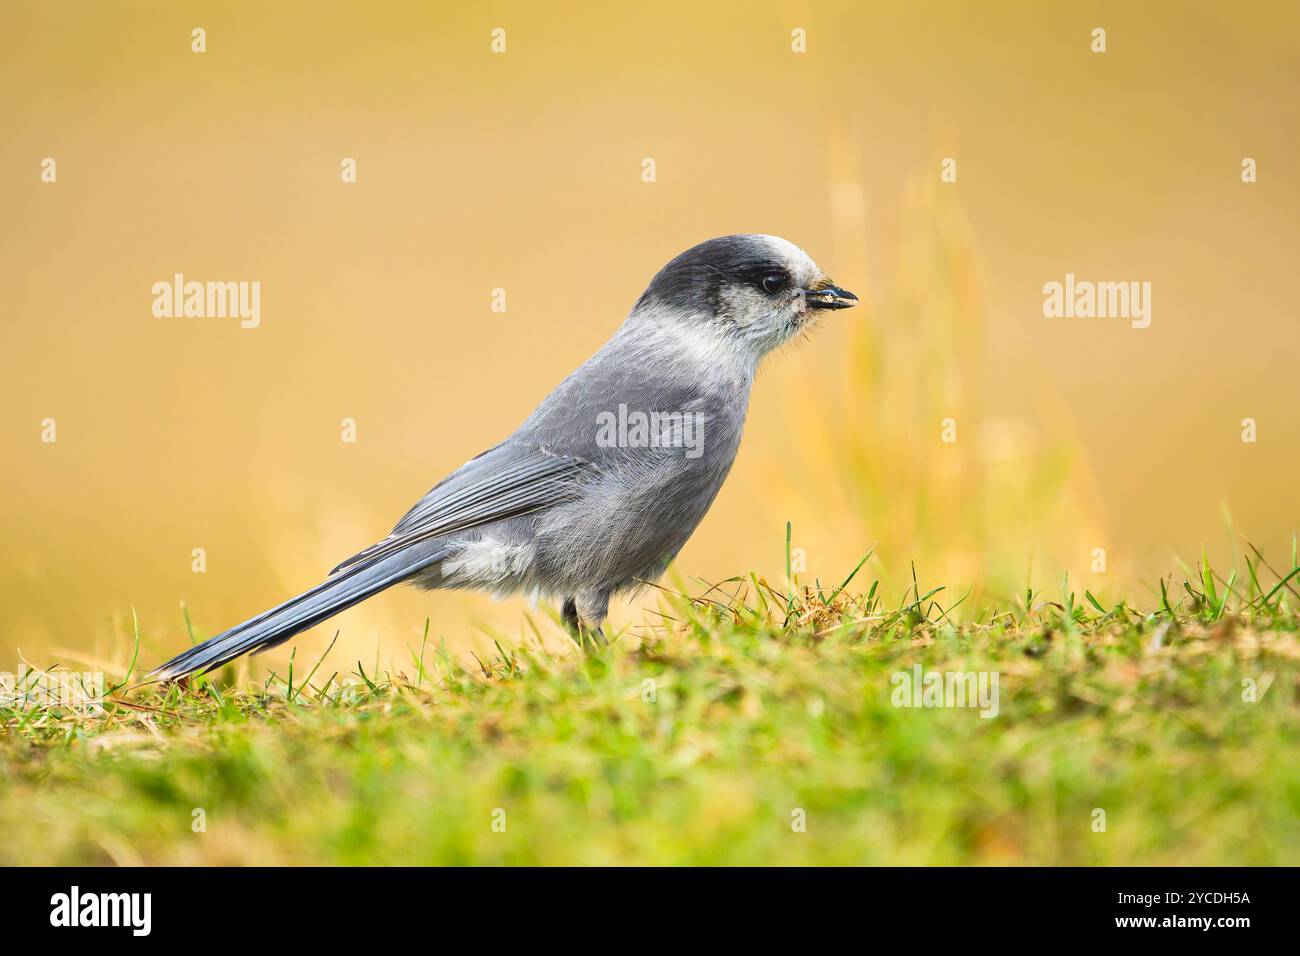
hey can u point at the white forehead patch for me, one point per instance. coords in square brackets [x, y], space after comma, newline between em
[800, 264]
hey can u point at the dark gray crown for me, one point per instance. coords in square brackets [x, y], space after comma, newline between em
[695, 278]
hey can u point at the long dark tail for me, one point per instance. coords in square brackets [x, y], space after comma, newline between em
[336, 593]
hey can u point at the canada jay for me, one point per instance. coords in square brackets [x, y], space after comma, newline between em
[601, 486]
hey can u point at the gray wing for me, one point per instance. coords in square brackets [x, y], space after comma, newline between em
[507, 481]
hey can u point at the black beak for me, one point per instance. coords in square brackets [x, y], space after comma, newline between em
[830, 297]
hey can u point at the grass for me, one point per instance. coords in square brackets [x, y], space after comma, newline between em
[708, 738]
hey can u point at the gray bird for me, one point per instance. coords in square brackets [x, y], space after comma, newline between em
[599, 489]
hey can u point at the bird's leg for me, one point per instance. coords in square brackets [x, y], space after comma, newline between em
[569, 615]
[592, 609]
[582, 615]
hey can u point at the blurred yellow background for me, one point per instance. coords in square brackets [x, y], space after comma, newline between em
[523, 171]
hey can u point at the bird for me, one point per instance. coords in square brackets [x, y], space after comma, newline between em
[601, 486]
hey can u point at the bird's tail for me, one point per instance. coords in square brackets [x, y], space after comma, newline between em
[336, 593]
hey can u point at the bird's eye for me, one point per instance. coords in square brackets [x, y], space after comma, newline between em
[773, 283]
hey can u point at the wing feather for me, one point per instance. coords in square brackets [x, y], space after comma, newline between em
[507, 481]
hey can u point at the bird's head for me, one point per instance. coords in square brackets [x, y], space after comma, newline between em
[755, 291]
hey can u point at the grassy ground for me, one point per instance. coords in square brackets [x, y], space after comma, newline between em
[753, 727]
